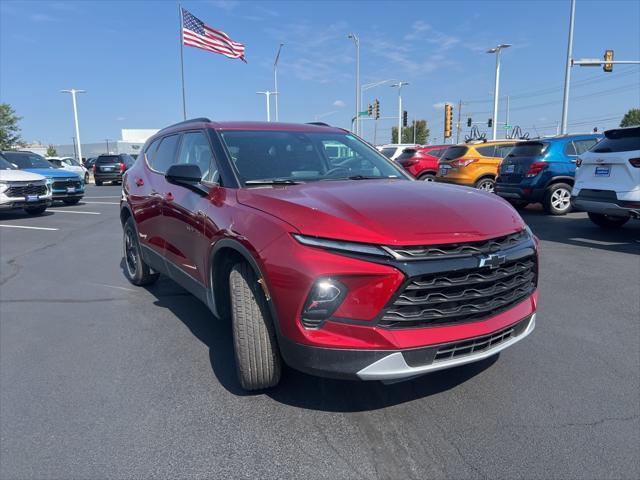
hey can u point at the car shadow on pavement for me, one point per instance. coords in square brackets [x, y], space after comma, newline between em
[296, 388]
[577, 230]
[20, 214]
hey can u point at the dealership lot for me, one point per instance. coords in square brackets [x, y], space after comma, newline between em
[103, 379]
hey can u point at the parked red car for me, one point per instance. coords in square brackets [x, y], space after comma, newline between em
[324, 254]
[422, 162]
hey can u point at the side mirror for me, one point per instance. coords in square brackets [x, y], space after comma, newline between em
[188, 176]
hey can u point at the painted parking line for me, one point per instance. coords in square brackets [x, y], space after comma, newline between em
[103, 203]
[76, 211]
[112, 196]
[598, 242]
[29, 228]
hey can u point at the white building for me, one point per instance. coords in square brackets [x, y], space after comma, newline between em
[132, 140]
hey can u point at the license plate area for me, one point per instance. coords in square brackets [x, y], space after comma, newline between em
[602, 171]
[510, 169]
[31, 198]
[444, 169]
[71, 189]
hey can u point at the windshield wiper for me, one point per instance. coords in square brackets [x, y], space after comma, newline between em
[367, 177]
[272, 181]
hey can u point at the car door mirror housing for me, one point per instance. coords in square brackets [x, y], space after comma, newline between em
[188, 176]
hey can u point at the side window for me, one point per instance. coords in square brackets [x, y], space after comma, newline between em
[195, 150]
[165, 155]
[150, 152]
[584, 145]
[570, 149]
[503, 150]
[488, 151]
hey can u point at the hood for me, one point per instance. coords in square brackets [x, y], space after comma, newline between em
[53, 172]
[387, 212]
[19, 176]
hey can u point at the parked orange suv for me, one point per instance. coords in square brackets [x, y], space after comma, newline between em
[473, 164]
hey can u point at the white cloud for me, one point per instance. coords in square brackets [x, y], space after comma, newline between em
[120, 119]
[227, 5]
[339, 104]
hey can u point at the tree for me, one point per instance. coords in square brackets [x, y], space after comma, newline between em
[51, 151]
[422, 133]
[631, 118]
[9, 129]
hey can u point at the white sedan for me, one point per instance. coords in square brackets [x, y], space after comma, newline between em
[71, 165]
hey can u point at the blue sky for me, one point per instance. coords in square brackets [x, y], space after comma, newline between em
[126, 55]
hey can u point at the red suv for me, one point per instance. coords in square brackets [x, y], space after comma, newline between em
[324, 254]
[422, 162]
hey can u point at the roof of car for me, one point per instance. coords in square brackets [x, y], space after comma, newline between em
[251, 126]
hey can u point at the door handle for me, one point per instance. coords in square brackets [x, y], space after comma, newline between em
[139, 182]
[168, 197]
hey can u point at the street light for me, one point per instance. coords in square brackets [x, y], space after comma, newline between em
[73, 93]
[356, 40]
[399, 86]
[267, 95]
[275, 78]
[496, 90]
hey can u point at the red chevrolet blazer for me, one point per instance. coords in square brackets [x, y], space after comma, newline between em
[325, 255]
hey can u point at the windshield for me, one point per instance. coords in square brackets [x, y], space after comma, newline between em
[304, 157]
[5, 164]
[27, 160]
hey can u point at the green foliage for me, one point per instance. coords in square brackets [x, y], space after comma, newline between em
[9, 129]
[51, 151]
[631, 118]
[422, 133]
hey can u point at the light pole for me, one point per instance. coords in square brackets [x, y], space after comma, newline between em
[267, 94]
[107, 140]
[356, 40]
[496, 89]
[73, 93]
[275, 78]
[399, 87]
[567, 72]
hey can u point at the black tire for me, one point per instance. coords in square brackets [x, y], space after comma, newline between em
[36, 210]
[486, 184]
[86, 178]
[557, 199]
[427, 177]
[258, 363]
[607, 221]
[98, 183]
[136, 270]
[71, 201]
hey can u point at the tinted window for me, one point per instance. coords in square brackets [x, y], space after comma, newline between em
[165, 156]
[584, 145]
[437, 152]
[102, 159]
[570, 149]
[127, 159]
[619, 141]
[195, 150]
[452, 153]
[488, 151]
[27, 160]
[5, 164]
[388, 152]
[406, 154]
[533, 149]
[503, 150]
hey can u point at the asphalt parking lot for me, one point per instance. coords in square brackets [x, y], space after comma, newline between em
[100, 379]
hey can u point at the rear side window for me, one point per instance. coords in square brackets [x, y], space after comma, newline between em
[570, 149]
[437, 153]
[165, 155]
[533, 149]
[619, 141]
[488, 151]
[452, 153]
[406, 154]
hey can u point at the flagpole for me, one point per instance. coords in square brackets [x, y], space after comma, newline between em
[184, 103]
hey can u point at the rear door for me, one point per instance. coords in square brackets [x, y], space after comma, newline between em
[515, 165]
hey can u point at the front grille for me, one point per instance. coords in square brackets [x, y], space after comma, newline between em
[479, 344]
[461, 296]
[458, 249]
[26, 189]
[63, 184]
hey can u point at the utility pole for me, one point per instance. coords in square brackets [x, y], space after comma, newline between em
[275, 79]
[107, 140]
[267, 94]
[496, 90]
[459, 120]
[73, 93]
[567, 71]
[356, 40]
[399, 85]
[414, 129]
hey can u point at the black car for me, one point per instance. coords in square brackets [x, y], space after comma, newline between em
[109, 168]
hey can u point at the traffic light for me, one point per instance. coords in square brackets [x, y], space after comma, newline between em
[448, 120]
[490, 122]
[376, 109]
[469, 122]
[608, 57]
[370, 110]
[405, 116]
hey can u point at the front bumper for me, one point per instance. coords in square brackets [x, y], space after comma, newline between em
[107, 177]
[11, 203]
[399, 364]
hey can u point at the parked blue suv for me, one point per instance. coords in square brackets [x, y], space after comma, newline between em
[542, 171]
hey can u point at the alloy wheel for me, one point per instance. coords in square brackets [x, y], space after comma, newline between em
[130, 253]
[486, 185]
[561, 199]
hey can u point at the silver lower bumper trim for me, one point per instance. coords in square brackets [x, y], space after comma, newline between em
[394, 366]
[606, 208]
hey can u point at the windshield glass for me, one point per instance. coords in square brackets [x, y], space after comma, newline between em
[27, 160]
[305, 156]
[5, 165]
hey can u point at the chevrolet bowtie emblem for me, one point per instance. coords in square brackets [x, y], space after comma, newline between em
[492, 261]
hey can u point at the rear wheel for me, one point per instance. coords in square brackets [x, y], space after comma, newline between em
[36, 210]
[486, 184]
[557, 200]
[427, 177]
[254, 340]
[86, 177]
[137, 271]
[519, 204]
[71, 201]
[98, 183]
[607, 221]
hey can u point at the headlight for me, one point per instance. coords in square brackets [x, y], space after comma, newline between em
[325, 297]
[4, 186]
[339, 245]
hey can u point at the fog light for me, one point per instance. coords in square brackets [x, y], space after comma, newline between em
[325, 297]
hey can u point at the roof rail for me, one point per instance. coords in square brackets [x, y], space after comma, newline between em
[191, 120]
[320, 124]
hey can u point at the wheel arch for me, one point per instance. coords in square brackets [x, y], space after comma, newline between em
[562, 179]
[125, 214]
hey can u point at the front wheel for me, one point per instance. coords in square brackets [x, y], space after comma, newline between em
[71, 201]
[486, 184]
[254, 340]
[427, 177]
[557, 200]
[137, 271]
[36, 210]
[607, 221]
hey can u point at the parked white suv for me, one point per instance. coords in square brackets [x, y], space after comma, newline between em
[607, 183]
[71, 165]
[20, 189]
[394, 150]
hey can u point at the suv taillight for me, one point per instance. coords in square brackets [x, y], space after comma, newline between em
[93, 169]
[464, 162]
[535, 168]
[123, 167]
[635, 162]
[578, 162]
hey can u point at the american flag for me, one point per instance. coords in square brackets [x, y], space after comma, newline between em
[196, 34]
